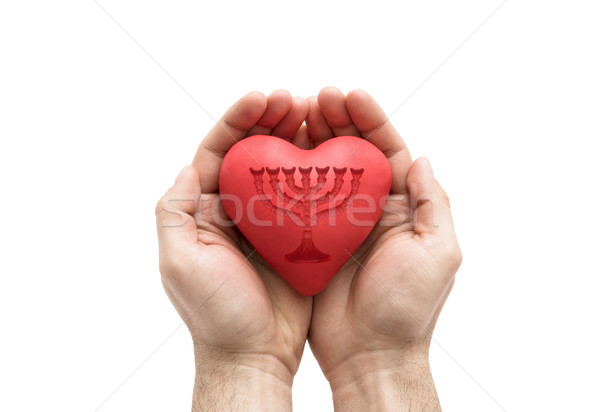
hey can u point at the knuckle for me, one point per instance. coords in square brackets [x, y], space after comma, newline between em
[170, 269]
[457, 258]
[454, 257]
[449, 256]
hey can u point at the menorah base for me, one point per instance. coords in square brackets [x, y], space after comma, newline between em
[307, 252]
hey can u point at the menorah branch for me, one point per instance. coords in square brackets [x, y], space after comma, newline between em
[347, 202]
[337, 185]
[258, 183]
[307, 214]
[290, 181]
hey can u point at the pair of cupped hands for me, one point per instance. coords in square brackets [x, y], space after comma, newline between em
[371, 327]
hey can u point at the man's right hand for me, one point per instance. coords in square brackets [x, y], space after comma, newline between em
[372, 325]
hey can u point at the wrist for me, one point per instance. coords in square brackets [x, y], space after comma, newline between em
[226, 381]
[394, 380]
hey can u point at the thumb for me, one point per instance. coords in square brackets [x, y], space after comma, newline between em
[428, 200]
[175, 222]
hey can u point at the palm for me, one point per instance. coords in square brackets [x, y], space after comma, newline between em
[252, 308]
[376, 297]
[392, 281]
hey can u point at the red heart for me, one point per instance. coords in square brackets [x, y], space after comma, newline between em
[305, 211]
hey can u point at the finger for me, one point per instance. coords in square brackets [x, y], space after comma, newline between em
[317, 126]
[375, 127]
[333, 105]
[289, 125]
[279, 104]
[175, 224]
[430, 203]
[232, 127]
[302, 139]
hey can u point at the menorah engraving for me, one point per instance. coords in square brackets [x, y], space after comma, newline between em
[305, 206]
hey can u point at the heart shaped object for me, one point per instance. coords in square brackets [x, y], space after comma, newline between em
[305, 211]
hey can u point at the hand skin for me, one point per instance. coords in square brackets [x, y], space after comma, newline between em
[248, 326]
[371, 327]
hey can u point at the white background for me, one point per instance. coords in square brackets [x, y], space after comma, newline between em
[93, 131]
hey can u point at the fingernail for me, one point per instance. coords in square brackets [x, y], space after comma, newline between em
[180, 175]
[428, 165]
